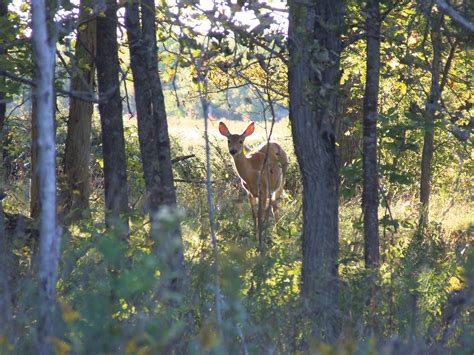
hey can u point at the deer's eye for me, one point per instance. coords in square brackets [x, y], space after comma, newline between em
[241, 142]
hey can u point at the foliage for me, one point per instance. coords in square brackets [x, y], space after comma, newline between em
[111, 291]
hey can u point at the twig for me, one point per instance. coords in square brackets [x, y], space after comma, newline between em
[127, 99]
[382, 192]
[25, 100]
[242, 338]
[193, 181]
[181, 158]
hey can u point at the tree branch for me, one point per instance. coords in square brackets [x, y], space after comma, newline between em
[455, 16]
[181, 158]
[80, 95]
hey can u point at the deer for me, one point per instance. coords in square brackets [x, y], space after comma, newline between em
[262, 172]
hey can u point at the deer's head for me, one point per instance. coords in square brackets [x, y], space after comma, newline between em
[236, 141]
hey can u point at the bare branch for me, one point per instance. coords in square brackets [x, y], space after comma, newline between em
[80, 95]
[181, 158]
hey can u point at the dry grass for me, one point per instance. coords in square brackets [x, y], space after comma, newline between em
[454, 215]
[189, 133]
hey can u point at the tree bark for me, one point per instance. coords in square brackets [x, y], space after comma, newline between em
[44, 54]
[171, 244]
[5, 252]
[153, 131]
[75, 196]
[34, 179]
[429, 118]
[158, 104]
[3, 99]
[370, 198]
[146, 125]
[110, 108]
[314, 38]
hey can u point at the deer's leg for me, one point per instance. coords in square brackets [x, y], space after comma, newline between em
[279, 183]
[276, 214]
[253, 203]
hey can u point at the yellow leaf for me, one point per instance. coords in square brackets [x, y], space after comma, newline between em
[60, 346]
[131, 347]
[74, 230]
[208, 337]
[143, 350]
[69, 315]
[455, 284]
[325, 349]
[403, 88]
[25, 7]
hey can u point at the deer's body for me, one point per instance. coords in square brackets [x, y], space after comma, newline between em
[262, 172]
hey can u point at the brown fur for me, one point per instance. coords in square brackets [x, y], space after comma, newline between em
[255, 171]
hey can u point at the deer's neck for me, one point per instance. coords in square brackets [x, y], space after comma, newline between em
[243, 166]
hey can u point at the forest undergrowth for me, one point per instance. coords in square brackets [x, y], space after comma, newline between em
[112, 297]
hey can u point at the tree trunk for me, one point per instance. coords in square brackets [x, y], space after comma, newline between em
[370, 198]
[75, 197]
[146, 125]
[171, 244]
[34, 179]
[44, 51]
[313, 88]
[3, 100]
[5, 271]
[5, 252]
[158, 104]
[110, 108]
[153, 132]
[429, 117]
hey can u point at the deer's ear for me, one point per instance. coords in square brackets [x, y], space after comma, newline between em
[250, 129]
[223, 129]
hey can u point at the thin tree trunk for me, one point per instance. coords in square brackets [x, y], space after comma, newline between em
[6, 252]
[370, 198]
[158, 104]
[110, 108]
[44, 51]
[153, 131]
[75, 196]
[34, 179]
[171, 244]
[146, 125]
[429, 117]
[3, 100]
[5, 282]
[313, 88]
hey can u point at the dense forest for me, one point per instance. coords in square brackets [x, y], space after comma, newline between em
[236, 177]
